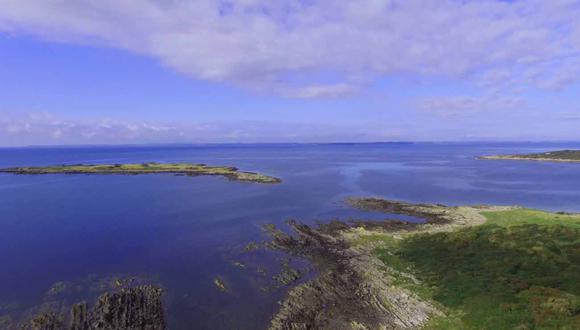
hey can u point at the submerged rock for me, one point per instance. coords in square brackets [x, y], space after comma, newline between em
[252, 246]
[238, 265]
[57, 288]
[220, 284]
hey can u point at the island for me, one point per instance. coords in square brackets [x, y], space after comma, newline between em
[188, 169]
[464, 267]
[572, 156]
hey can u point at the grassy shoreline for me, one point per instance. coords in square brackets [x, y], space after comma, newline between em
[467, 267]
[188, 169]
[519, 269]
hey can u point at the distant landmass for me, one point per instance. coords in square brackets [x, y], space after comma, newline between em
[551, 156]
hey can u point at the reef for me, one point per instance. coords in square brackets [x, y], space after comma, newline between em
[187, 169]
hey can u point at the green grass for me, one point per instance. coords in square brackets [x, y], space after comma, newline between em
[520, 270]
[527, 216]
[558, 155]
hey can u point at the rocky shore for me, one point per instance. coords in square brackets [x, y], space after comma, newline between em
[130, 308]
[352, 290]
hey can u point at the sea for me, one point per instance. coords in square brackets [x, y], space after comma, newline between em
[64, 238]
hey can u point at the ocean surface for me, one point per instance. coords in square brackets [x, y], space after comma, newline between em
[183, 232]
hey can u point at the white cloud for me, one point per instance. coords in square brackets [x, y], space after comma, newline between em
[259, 43]
[47, 129]
[321, 91]
[570, 115]
[453, 106]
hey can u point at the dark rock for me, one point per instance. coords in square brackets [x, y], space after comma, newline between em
[44, 321]
[350, 292]
[134, 308]
[129, 309]
[252, 246]
[221, 284]
[79, 317]
[287, 276]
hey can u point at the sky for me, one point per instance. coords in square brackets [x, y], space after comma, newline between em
[176, 71]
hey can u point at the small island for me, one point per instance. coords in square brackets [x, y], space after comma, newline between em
[188, 169]
[571, 156]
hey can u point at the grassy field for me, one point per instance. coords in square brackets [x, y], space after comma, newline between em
[521, 270]
[527, 216]
[147, 168]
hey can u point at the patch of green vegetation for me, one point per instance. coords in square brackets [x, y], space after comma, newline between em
[521, 270]
[451, 321]
[147, 168]
[527, 216]
[385, 240]
[557, 155]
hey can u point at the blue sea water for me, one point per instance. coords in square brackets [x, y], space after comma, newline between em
[182, 232]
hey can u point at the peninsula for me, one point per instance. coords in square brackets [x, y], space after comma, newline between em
[188, 169]
[465, 267]
[572, 156]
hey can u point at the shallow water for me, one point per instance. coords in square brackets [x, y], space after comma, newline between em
[182, 232]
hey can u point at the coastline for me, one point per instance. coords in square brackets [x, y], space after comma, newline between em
[528, 159]
[355, 289]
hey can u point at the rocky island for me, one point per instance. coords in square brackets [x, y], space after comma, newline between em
[467, 267]
[188, 169]
[572, 156]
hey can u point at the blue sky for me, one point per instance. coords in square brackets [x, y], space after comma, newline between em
[76, 72]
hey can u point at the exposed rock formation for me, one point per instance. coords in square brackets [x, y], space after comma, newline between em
[351, 290]
[130, 308]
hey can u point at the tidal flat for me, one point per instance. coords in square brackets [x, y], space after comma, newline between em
[465, 267]
[188, 169]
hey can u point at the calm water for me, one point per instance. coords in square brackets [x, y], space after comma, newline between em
[182, 232]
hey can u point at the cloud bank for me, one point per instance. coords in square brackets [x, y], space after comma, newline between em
[324, 48]
[454, 106]
[48, 129]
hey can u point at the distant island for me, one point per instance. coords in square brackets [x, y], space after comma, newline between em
[552, 156]
[188, 169]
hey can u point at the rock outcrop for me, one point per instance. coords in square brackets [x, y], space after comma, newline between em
[130, 309]
[351, 291]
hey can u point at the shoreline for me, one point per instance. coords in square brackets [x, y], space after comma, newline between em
[529, 159]
[354, 289]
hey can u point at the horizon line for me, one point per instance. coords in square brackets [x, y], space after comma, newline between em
[191, 144]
